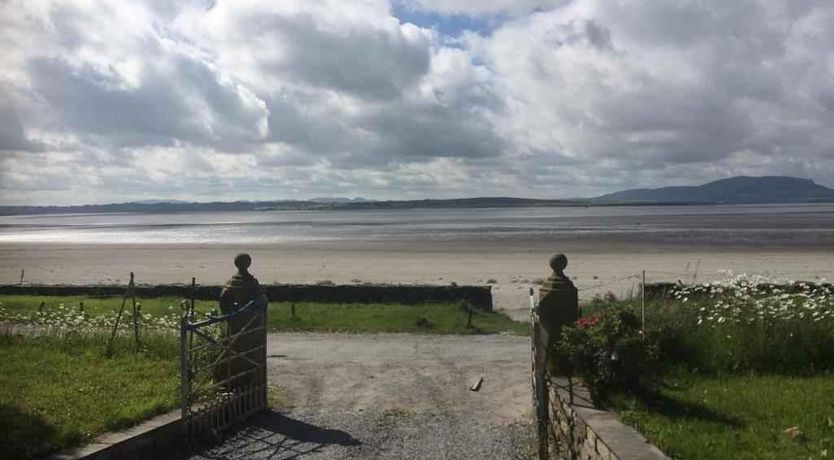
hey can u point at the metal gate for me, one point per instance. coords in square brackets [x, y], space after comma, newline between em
[223, 368]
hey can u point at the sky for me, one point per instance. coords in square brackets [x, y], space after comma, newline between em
[112, 101]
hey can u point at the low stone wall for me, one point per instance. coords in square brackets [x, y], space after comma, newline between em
[479, 296]
[582, 431]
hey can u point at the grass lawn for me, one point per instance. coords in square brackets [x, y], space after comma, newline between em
[58, 392]
[431, 318]
[737, 417]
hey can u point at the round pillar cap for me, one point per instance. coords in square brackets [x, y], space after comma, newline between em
[558, 262]
[243, 261]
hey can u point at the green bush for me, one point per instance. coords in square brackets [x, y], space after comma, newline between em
[608, 352]
[746, 324]
[742, 325]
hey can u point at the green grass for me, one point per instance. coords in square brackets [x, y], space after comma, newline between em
[429, 318]
[736, 416]
[59, 392]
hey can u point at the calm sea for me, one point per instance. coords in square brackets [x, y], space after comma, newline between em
[780, 225]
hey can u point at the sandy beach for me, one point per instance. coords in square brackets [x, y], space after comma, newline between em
[511, 267]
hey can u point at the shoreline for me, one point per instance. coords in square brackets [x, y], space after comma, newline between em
[510, 268]
[594, 244]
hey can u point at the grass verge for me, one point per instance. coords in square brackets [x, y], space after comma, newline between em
[59, 392]
[430, 318]
[736, 416]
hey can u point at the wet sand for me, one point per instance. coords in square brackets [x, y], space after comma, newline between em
[511, 267]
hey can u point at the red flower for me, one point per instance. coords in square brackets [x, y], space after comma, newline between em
[588, 321]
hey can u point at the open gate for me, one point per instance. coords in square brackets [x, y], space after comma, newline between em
[223, 368]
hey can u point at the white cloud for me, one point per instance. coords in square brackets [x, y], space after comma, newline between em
[259, 99]
[667, 88]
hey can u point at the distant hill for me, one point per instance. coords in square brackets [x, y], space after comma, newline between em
[735, 190]
[327, 199]
[160, 206]
[160, 202]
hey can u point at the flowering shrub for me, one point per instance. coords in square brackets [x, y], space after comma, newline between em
[588, 321]
[751, 323]
[745, 299]
[72, 318]
[607, 351]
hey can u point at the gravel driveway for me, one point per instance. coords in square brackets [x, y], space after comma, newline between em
[397, 396]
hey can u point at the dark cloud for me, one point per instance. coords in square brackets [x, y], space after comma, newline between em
[190, 104]
[302, 119]
[371, 63]
[413, 133]
[12, 136]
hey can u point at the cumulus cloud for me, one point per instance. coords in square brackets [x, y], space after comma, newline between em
[662, 88]
[358, 49]
[253, 99]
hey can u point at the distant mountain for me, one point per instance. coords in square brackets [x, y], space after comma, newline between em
[739, 190]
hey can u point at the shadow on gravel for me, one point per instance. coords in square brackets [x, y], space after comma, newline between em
[272, 435]
[300, 431]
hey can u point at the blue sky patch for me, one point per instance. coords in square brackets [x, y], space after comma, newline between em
[448, 25]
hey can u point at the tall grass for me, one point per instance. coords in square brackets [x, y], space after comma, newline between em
[745, 324]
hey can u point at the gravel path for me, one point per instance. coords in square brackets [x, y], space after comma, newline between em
[397, 396]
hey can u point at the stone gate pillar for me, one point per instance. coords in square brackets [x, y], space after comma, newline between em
[242, 288]
[558, 300]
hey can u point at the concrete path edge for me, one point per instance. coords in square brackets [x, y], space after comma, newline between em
[142, 441]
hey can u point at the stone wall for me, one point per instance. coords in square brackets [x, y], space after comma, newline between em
[479, 296]
[581, 431]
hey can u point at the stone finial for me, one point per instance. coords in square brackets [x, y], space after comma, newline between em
[558, 263]
[558, 300]
[241, 287]
[242, 262]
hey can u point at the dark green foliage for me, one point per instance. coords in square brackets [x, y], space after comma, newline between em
[608, 352]
[789, 346]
